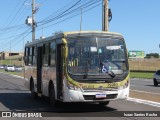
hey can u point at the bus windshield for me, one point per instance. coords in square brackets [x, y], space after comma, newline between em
[96, 56]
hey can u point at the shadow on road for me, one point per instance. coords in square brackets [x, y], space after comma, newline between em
[24, 102]
[153, 85]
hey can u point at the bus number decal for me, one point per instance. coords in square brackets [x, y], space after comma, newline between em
[112, 84]
[87, 86]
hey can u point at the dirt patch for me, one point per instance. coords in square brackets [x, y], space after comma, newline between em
[145, 96]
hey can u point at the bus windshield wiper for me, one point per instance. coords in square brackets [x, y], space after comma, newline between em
[111, 73]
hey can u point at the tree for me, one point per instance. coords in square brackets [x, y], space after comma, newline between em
[152, 55]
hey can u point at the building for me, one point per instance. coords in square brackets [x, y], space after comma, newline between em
[13, 55]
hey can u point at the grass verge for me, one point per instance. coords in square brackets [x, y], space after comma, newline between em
[147, 75]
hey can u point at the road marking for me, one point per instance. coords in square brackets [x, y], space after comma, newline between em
[145, 92]
[151, 103]
[16, 76]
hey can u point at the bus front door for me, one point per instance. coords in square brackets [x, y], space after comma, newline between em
[39, 70]
[59, 70]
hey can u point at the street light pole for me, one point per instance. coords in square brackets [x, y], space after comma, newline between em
[10, 52]
[81, 20]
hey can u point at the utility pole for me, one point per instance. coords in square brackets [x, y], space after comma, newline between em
[33, 20]
[81, 20]
[30, 21]
[105, 15]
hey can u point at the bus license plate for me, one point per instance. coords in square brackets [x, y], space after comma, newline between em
[100, 95]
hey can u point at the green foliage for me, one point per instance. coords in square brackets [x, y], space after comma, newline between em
[152, 55]
[6, 62]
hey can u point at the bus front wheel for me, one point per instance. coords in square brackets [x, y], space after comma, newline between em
[52, 98]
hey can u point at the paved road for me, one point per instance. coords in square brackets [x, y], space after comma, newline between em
[144, 85]
[15, 97]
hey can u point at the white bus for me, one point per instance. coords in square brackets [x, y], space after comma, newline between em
[85, 66]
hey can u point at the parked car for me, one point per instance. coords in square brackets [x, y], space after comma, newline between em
[18, 68]
[4, 66]
[156, 79]
[1, 67]
[9, 68]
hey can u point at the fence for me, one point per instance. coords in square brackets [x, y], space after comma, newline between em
[144, 64]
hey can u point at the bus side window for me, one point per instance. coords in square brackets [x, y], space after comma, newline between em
[31, 49]
[52, 54]
[46, 54]
[34, 51]
[26, 55]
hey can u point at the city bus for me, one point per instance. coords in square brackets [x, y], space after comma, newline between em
[83, 66]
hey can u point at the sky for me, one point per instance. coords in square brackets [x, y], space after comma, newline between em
[137, 20]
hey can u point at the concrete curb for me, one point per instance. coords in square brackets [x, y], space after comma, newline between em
[13, 75]
[151, 103]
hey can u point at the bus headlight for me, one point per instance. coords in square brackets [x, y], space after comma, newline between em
[124, 86]
[72, 87]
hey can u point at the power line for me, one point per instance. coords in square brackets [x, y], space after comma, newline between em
[74, 15]
[83, 6]
[17, 39]
[59, 11]
[65, 12]
[11, 14]
[24, 36]
[15, 16]
[46, 21]
[6, 38]
[70, 12]
[17, 36]
[22, 26]
[12, 28]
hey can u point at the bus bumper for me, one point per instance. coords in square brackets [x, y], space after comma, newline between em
[94, 96]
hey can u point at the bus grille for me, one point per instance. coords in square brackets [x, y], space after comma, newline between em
[92, 97]
[97, 90]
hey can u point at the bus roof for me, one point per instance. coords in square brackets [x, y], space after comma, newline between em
[74, 34]
[92, 32]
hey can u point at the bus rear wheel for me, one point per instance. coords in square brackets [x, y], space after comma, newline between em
[52, 98]
[104, 103]
[33, 93]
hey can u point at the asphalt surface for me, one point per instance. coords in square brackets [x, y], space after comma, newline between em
[15, 97]
[144, 85]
